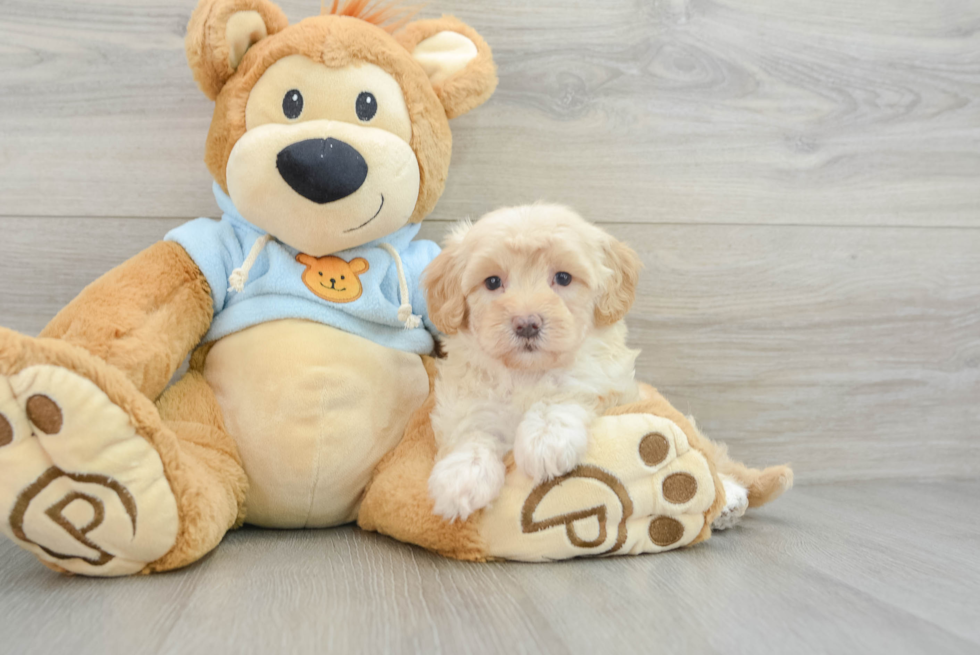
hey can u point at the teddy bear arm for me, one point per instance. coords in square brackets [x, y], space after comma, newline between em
[142, 317]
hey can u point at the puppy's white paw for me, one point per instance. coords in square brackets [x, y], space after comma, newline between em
[465, 481]
[551, 440]
[736, 502]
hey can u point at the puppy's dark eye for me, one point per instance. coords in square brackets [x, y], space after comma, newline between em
[563, 279]
[492, 282]
[366, 106]
[292, 104]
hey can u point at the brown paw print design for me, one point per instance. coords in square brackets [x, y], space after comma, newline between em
[677, 489]
[47, 416]
[332, 278]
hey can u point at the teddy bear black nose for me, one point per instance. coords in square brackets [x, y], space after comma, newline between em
[322, 170]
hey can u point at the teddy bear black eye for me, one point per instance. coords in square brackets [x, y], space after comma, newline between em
[563, 279]
[321, 273]
[292, 104]
[492, 282]
[342, 277]
[367, 106]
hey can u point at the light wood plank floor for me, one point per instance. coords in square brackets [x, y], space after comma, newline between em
[878, 567]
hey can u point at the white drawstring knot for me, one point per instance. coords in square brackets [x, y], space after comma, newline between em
[239, 276]
[405, 314]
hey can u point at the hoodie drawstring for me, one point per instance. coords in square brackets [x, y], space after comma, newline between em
[405, 314]
[239, 276]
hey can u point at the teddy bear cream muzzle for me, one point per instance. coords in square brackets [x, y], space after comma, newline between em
[323, 186]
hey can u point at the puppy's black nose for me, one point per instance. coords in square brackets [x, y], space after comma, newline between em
[527, 327]
[322, 170]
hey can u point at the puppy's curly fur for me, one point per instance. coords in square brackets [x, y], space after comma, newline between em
[531, 300]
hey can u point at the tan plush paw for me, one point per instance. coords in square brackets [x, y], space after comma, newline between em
[79, 487]
[639, 488]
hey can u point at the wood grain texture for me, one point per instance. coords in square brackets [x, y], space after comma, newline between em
[852, 353]
[690, 111]
[827, 569]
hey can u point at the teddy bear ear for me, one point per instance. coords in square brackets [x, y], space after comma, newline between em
[219, 34]
[457, 60]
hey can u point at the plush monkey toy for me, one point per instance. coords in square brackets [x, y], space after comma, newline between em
[308, 334]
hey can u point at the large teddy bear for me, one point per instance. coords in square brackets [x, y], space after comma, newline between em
[305, 403]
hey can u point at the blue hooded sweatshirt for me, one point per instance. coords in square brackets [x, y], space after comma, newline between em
[279, 286]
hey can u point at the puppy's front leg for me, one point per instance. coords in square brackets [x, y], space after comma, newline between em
[469, 477]
[551, 439]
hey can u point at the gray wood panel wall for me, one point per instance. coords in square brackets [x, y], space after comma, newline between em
[801, 178]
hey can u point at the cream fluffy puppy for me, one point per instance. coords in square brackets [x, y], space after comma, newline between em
[531, 300]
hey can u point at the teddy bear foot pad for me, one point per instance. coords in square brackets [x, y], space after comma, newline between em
[641, 488]
[79, 487]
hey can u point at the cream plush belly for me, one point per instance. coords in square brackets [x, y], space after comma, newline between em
[313, 410]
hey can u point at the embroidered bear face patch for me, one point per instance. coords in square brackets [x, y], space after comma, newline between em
[332, 278]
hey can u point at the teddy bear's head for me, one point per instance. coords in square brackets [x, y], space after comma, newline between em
[333, 132]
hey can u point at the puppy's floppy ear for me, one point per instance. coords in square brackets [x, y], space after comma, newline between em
[443, 282]
[457, 60]
[619, 290]
[219, 33]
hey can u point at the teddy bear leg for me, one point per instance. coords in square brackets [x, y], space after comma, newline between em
[643, 486]
[212, 484]
[397, 503]
[92, 479]
[744, 487]
[649, 482]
